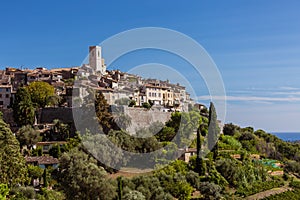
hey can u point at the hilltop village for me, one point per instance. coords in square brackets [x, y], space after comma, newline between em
[114, 84]
[44, 156]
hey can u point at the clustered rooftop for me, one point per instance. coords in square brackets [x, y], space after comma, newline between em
[113, 84]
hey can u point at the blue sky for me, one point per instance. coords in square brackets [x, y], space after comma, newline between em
[255, 44]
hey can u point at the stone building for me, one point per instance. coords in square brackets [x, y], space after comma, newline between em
[6, 95]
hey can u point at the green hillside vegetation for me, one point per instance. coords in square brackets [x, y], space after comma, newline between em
[239, 165]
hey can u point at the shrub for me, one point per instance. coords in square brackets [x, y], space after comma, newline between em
[295, 184]
[146, 105]
[288, 195]
[258, 187]
[232, 142]
[210, 190]
[23, 192]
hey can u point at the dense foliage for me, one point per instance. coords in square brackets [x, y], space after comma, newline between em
[288, 195]
[81, 178]
[13, 170]
[258, 187]
[23, 109]
[235, 168]
[40, 93]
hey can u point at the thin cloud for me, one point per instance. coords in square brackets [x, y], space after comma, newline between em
[288, 88]
[250, 98]
[286, 91]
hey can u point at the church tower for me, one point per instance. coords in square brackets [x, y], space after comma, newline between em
[95, 59]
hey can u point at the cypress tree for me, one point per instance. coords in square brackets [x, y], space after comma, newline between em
[45, 178]
[102, 112]
[23, 109]
[200, 165]
[120, 188]
[213, 130]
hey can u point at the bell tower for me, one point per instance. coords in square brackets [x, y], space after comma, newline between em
[95, 59]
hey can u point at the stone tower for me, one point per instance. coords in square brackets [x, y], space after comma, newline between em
[95, 59]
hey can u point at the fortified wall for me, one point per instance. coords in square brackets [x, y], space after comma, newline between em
[140, 117]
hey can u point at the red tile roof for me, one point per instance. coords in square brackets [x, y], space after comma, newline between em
[42, 160]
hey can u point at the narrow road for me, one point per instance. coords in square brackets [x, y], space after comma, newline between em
[267, 193]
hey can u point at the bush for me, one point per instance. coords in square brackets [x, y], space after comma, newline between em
[35, 171]
[146, 105]
[258, 187]
[134, 195]
[210, 190]
[292, 166]
[4, 190]
[232, 142]
[247, 136]
[288, 195]
[23, 193]
[132, 103]
[229, 129]
[50, 195]
[193, 179]
[295, 184]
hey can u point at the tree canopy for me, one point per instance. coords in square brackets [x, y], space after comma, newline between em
[102, 112]
[40, 93]
[28, 136]
[81, 178]
[23, 110]
[13, 169]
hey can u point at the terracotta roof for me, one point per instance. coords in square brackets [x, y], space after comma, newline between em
[42, 160]
[103, 89]
[153, 86]
[62, 69]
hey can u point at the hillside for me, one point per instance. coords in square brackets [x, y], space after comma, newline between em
[244, 162]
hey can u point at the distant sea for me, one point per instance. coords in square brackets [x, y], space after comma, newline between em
[290, 136]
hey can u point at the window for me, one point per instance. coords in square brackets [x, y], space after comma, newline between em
[159, 95]
[0, 95]
[149, 94]
[7, 95]
[45, 147]
[1, 103]
[7, 89]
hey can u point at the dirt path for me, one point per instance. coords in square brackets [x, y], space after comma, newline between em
[267, 193]
[130, 172]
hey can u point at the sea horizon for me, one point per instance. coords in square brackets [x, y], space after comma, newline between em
[287, 136]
